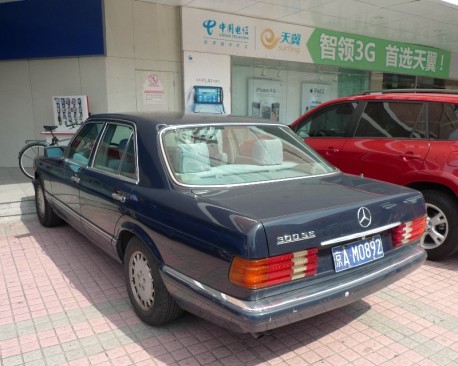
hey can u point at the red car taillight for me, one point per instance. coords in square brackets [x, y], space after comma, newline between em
[408, 231]
[258, 273]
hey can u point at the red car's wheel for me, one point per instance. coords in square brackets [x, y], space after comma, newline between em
[441, 237]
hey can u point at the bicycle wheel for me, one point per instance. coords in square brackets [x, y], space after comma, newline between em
[27, 157]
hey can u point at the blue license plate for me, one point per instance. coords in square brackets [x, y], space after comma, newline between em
[357, 253]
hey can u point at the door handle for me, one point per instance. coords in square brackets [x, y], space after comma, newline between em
[75, 178]
[118, 197]
[331, 150]
[409, 156]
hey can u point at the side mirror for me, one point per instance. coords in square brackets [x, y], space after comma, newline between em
[54, 151]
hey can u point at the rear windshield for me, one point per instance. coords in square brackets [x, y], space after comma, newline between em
[238, 154]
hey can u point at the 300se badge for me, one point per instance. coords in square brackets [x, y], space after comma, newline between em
[285, 239]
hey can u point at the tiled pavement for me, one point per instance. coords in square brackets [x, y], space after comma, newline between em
[63, 302]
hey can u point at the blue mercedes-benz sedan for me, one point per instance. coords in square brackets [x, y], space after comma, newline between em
[233, 219]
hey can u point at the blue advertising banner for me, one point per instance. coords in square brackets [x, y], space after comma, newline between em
[51, 28]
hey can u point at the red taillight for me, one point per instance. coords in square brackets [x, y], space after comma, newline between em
[408, 231]
[265, 272]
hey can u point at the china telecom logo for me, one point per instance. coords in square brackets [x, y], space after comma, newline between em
[209, 25]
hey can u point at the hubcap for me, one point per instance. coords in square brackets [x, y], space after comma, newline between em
[141, 281]
[436, 227]
[40, 201]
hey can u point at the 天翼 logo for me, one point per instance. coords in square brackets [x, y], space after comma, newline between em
[287, 42]
[268, 39]
[364, 217]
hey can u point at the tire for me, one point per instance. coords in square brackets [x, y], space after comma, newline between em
[149, 297]
[45, 212]
[27, 157]
[441, 237]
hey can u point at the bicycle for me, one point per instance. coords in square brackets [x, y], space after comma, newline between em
[33, 149]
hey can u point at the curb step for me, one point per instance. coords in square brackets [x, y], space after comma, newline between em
[18, 208]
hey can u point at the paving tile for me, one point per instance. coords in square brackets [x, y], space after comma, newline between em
[63, 302]
[12, 361]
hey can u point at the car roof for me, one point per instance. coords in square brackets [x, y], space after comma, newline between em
[433, 95]
[419, 95]
[174, 119]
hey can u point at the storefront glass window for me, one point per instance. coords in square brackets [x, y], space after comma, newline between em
[282, 91]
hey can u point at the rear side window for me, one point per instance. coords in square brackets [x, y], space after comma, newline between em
[392, 120]
[116, 152]
[443, 121]
[332, 121]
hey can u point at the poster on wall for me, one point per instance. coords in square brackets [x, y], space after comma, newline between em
[207, 83]
[70, 112]
[266, 98]
[153, 89]
[316, 93]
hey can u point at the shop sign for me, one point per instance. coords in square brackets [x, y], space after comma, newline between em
[226, 33]
[282, 42]
[212, 32]
[349, 50]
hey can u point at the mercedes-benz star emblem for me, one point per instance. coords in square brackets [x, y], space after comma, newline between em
[364, 216]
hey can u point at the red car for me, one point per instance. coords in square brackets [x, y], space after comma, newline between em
[406, 137]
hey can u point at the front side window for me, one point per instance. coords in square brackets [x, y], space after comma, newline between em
[332, 121]
[115, 153]
[238, 154]
[443, 121]
[83, 143]
[389, 119]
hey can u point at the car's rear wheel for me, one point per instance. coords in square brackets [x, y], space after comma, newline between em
[45, 212]
[147, 292]
[441, 237]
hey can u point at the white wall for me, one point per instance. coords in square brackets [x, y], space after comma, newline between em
[16, 110]
[140, 37]
[26, 91]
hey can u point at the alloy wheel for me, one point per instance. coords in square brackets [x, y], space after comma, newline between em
[436, 227]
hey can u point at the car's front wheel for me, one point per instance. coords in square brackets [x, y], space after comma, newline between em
[147, 292]
[441, 237]
[45, 212]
